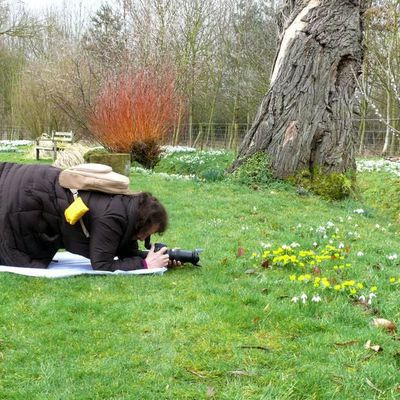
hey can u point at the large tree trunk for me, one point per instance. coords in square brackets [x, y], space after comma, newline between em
[305, 120]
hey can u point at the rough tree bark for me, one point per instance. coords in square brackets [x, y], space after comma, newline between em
[305, 120]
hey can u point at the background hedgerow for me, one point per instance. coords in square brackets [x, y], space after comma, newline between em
[231, 329]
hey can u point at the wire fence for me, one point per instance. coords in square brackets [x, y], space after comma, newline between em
[229, 136]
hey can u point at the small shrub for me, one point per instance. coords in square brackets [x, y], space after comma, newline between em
[331, 186]
[212, 174]
[134, 112]
[147, 153]
[255, 171]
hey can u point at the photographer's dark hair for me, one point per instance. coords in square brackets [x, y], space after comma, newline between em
[150, 213]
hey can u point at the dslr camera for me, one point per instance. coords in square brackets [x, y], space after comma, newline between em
[184, 256]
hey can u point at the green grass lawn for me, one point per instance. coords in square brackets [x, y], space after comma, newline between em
[228, 330]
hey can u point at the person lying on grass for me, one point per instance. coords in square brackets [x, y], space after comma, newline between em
[34, 227]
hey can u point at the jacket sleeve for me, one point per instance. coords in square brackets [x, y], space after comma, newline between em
[105, 237]
[130, 250]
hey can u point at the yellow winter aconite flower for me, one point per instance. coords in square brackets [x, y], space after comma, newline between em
[277, 251]
[306, 253]
[325, 282]
[392, 280]
[313, 263]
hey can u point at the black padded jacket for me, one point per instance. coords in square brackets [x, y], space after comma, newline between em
[33, 227]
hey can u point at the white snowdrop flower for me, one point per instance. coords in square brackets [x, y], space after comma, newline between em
[303, 298]
[377, 226]
[330, 241]
[341, 219]
[178, 149]
[340, 245]
[311, 229]
[294, 244]
[370, 297]
[360, 254]
[216, 222]
[359, 211]
[362, 299]
[316, 298]
[392, 257]
[299, 226]
[315, 244]
[356, 226]
[325, 236]
[265, 245]
[254, 209]
[349, 218]
[330, 224]
[286, 247]
[336, 230]
[321, 229]
[245, 228]
[295, 299]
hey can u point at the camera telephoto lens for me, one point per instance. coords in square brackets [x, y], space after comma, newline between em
[184, 256]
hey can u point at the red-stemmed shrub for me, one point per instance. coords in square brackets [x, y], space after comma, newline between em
[134, 112]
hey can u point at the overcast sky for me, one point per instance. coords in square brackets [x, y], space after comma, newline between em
[37, 5]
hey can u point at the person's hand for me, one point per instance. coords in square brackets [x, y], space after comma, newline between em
[174, 263]
[157, 259]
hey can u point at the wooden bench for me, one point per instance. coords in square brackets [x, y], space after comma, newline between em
[54, 142]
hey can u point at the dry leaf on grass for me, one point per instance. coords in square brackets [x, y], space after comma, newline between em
[240, 252]
[374, 347]
[265, 264]
[210, 391]
[371, 385]
[241, 373]
[349, 343]
[384, 323]
[250, 271]
[198, 374]
[255, 347]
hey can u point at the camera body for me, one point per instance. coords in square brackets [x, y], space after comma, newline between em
[184, 256]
